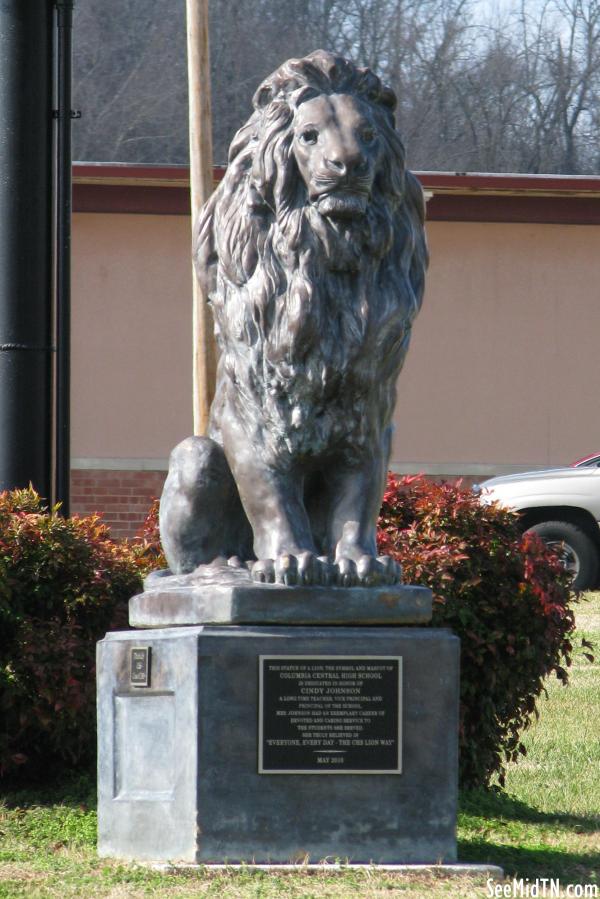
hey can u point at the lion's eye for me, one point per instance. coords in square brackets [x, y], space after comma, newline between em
[367, 135]
[309, 136]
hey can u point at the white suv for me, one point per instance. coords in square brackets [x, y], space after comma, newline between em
[562, 505]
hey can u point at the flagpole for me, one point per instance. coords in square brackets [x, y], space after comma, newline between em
[201, 186]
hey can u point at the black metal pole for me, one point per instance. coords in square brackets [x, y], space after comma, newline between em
[26, 33]
[63, 256]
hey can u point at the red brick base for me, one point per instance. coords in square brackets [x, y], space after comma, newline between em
[123, 498]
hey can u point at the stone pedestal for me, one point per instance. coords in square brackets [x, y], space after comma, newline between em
[192, 721]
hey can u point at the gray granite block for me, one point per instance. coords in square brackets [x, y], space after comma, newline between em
[178, 759]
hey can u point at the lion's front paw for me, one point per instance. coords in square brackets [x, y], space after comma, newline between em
[367, 571]
[293, 570]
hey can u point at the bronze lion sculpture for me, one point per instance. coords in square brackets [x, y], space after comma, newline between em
[312, 253]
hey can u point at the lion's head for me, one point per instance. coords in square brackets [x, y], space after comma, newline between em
[335, 122]
[312, 250]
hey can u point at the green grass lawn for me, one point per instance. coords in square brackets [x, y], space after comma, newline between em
[546, 823]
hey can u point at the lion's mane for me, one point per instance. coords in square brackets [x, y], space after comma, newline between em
[312, 316]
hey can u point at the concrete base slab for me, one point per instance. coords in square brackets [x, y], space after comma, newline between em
[189, 600]
[458, 869]
[178, 768]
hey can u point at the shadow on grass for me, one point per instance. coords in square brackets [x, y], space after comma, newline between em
[491, 804]
[574, 867]
[498, 810]
[72, 790]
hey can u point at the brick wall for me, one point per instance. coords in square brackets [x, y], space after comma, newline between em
[122, 497]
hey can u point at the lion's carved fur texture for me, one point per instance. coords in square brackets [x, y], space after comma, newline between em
[313, 314]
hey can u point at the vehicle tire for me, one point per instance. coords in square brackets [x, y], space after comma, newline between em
[576, 550]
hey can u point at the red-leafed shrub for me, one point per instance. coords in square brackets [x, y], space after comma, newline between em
[147, 541]
[63, 584]
[505, 596]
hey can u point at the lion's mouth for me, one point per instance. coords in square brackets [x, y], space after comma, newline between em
[342, 204]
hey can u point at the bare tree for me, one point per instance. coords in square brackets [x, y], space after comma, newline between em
[574, 73]
[521, 95]
[559, 48]
[130, 80]
[245, 51]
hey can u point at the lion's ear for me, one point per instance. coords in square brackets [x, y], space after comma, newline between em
[263, 95]
[388, 98]
[292, 76]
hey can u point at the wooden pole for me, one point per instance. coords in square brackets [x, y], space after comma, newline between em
[201, 186]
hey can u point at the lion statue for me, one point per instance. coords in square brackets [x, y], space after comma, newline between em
[312, 253]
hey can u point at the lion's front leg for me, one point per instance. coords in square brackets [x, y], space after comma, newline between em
[354, 494]
[273, 500]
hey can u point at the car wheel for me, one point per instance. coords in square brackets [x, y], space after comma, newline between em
[575, 549]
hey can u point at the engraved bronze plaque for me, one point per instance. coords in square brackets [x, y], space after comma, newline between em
[330, 715]
[140, 666]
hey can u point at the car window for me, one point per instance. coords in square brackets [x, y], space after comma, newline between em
[594, 462]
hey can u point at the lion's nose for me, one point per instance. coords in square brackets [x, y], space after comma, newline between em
[347, 165]
[338, 165]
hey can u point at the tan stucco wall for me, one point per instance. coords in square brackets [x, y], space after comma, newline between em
[131, 335]
[503, 370]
